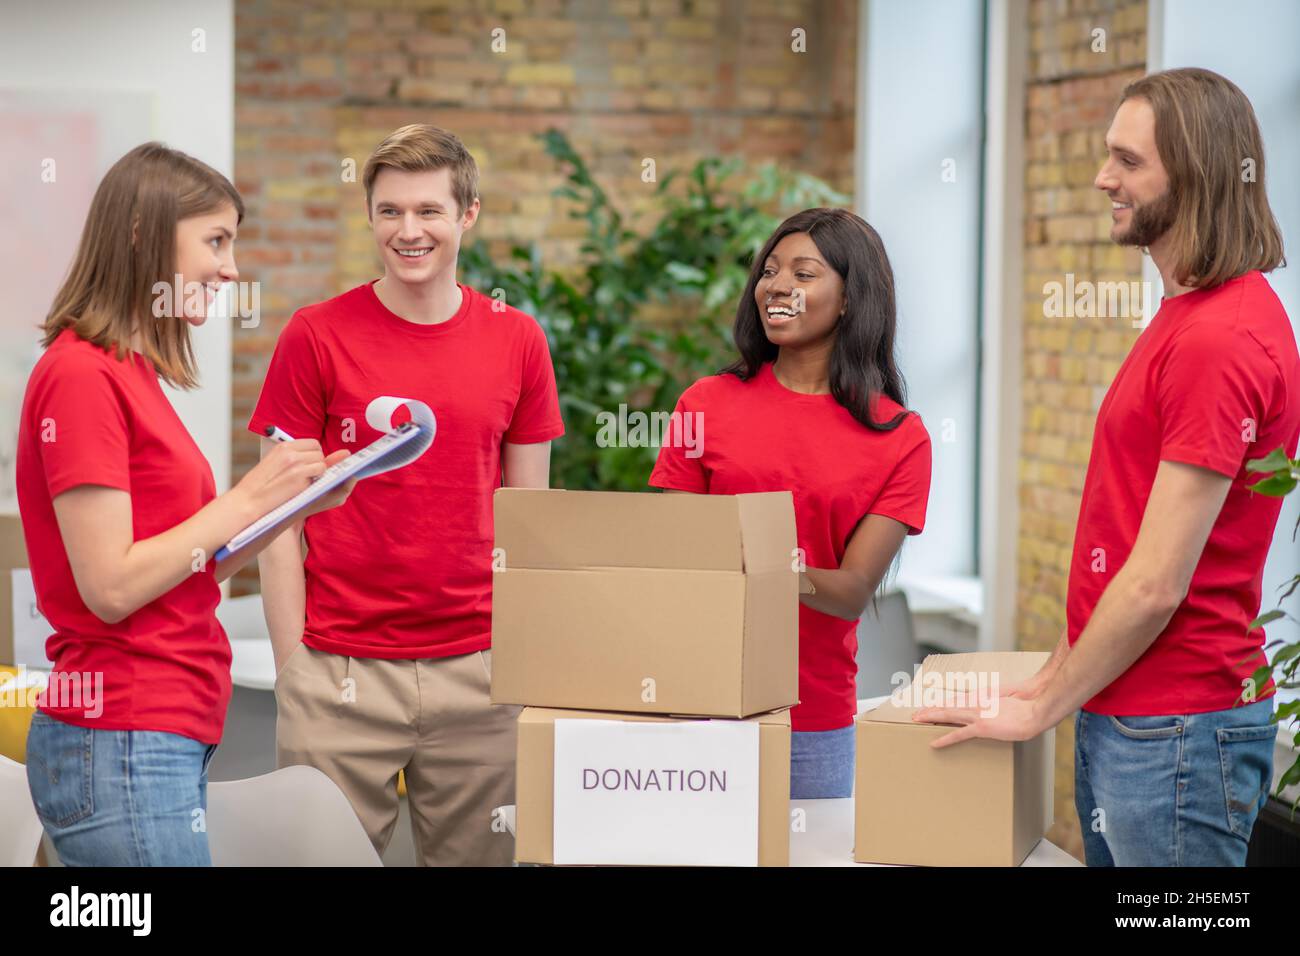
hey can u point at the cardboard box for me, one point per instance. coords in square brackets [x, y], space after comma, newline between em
[978, 803]
[535, 786]
[23, 629]
[646, 603]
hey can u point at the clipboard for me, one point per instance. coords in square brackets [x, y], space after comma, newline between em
[399, 447]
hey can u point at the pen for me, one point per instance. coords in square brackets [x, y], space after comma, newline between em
[276, 434]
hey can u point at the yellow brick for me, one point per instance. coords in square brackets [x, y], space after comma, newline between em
[693, 28]
[539, 206]
[662, 50]
[628, 76]
[659, 99]
[315, 22]
[551, 27]
[301, 190]
[1052, 447]
[681, 74]
[549, 74]
[1056, 340]
[318, 67]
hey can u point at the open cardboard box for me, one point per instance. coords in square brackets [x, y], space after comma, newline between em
[645, 602]
[978, 803]
[535, 783]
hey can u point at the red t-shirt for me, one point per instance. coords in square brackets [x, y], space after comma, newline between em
[760, 436]
[1213, 381]
[403, 569]
[89, 419]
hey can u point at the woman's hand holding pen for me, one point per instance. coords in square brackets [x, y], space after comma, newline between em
[339, 494]
[285, 471]
[317, 463]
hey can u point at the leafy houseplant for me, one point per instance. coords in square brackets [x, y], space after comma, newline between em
[694, 260]
[1283, 476]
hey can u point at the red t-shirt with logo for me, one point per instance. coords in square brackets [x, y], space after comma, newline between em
[90, 419]
[1213, 381]
[758, 435]
[403, 569]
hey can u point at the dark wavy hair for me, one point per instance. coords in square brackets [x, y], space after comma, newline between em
[862, 361]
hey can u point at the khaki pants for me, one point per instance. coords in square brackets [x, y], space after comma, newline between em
[360, 720]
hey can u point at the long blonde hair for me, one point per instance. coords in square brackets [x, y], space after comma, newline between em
[1208, 139]
[127, 247]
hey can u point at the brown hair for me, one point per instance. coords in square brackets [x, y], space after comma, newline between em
[109, 288]
[419, 147]
[1205, 132]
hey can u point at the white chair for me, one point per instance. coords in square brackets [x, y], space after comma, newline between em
[20, 827]
[886, 645]
[295, 816]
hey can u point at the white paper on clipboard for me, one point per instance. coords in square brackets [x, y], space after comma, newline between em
[396, 448]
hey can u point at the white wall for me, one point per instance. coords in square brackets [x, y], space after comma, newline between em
[70, 48]
[1255, 45]
[1003, 281]
[919, 105]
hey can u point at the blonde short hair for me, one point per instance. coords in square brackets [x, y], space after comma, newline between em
[419, 147]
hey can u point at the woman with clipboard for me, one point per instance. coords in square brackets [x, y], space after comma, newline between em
[121, 516]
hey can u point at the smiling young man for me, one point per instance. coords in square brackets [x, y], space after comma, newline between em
[382, 635]
[1170, 770]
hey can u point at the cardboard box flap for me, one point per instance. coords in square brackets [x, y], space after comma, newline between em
[556, 529]
[768, 534]
[1012, 667]
[547, 715]
[944, 680]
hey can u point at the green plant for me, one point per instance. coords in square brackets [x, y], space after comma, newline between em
[1283, 476]
[694, 259]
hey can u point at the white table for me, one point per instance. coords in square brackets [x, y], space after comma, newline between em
[252, 664]
[827, 837]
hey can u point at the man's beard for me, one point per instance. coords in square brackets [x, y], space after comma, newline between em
[1149, 221]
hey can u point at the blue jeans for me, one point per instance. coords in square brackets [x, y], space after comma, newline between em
[821, 763]
[120, 797]
[1181, 790]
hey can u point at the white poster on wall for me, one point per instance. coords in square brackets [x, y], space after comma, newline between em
[57, 145]
[30, 626]
[632, 792]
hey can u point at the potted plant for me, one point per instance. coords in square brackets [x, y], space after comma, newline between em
[1282, 476]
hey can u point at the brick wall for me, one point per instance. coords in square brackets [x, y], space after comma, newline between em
[321, 82]
[1068, 362]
